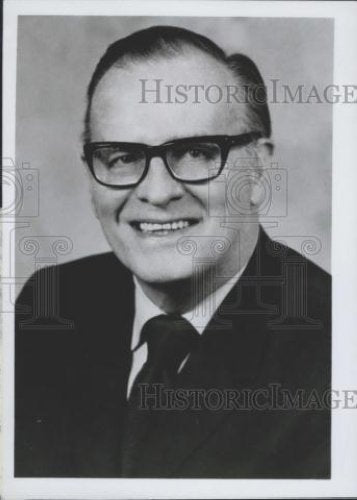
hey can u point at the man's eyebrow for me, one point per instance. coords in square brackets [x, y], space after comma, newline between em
[194, 136]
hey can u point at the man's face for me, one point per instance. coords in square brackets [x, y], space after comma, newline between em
[199, 210]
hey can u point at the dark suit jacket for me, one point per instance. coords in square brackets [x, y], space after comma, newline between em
[73, 329]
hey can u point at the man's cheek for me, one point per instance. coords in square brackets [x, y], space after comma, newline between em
[216, 208]
[105, 205]
[95, 205]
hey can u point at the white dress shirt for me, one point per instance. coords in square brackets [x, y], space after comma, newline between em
[199, 318]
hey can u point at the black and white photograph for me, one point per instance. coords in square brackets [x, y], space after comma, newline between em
[177, 295]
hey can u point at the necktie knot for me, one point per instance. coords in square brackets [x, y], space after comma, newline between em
[170, 338]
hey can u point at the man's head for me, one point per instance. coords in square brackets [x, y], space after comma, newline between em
[150, 223]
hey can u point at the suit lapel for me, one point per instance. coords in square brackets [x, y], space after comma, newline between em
[231, 356]
[109, 328]
[104, 349]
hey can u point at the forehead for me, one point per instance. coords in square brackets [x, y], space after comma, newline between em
[136, 103]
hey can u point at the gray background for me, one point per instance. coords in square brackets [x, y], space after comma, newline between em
[56, 57]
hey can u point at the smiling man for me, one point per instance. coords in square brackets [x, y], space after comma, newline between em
[178, 184]
[180, 339]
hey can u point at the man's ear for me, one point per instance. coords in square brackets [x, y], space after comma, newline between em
[90, 184]
[264, 150]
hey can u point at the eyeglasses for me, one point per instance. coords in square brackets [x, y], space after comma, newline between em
[190, 160]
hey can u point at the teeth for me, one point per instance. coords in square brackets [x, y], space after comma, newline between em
[168, 226]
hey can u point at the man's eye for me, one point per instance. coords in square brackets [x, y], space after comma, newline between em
[196, 153]
[123, 159]
[199, 152]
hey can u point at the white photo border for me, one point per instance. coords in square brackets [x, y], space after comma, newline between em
[343, 482]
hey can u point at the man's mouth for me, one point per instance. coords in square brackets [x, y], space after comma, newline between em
[162, 228]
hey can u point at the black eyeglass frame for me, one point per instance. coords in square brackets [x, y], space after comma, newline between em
[224, 142]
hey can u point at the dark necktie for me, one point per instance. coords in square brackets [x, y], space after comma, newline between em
[169, 338]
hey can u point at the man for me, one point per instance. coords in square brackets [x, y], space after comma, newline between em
[195, 306]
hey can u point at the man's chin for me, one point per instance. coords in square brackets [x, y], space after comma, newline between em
[159, 273]
[161, 277]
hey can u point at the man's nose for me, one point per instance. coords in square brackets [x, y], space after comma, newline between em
[159, 187]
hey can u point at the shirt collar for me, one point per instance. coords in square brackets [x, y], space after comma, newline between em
[199, 316]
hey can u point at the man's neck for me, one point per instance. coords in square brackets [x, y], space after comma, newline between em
[183, 295]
